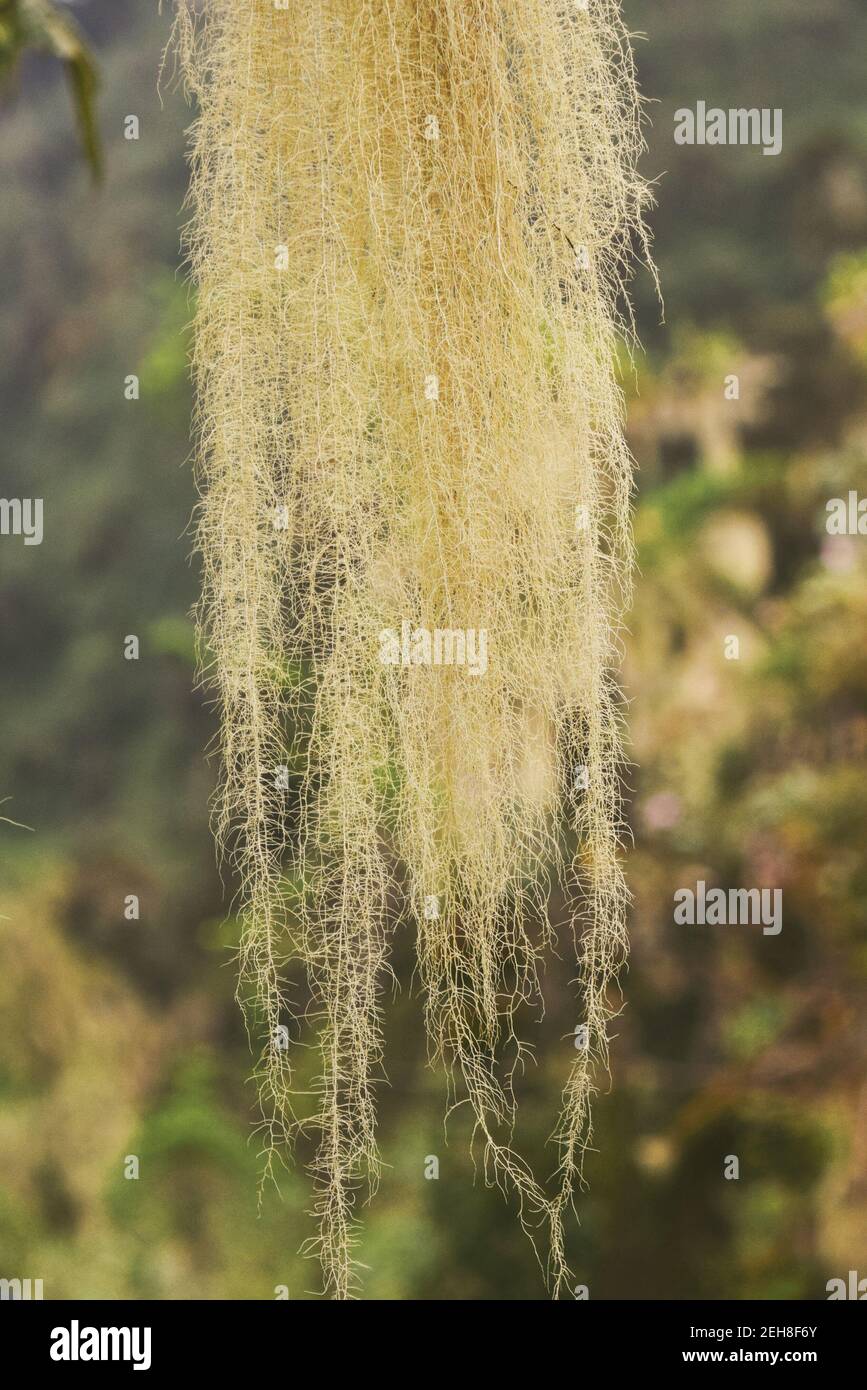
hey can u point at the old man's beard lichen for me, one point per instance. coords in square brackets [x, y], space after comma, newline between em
[410, 223]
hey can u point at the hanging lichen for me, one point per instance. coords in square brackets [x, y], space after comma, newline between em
[410, 226]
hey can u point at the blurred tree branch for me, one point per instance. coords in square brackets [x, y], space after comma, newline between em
[43, 25]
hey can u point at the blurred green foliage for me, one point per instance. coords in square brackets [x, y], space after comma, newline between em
[122, 1036]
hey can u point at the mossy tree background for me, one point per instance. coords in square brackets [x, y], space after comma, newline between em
[125, 1037]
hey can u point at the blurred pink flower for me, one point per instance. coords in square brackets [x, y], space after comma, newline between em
[661, 811]
[839, 554]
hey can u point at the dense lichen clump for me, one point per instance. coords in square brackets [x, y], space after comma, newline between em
[410, 226]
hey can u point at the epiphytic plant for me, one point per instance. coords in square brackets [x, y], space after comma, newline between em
[411, 224]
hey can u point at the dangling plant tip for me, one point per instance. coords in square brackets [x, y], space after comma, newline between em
[411, 224]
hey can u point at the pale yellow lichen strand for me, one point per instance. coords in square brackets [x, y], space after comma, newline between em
[411, 222]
